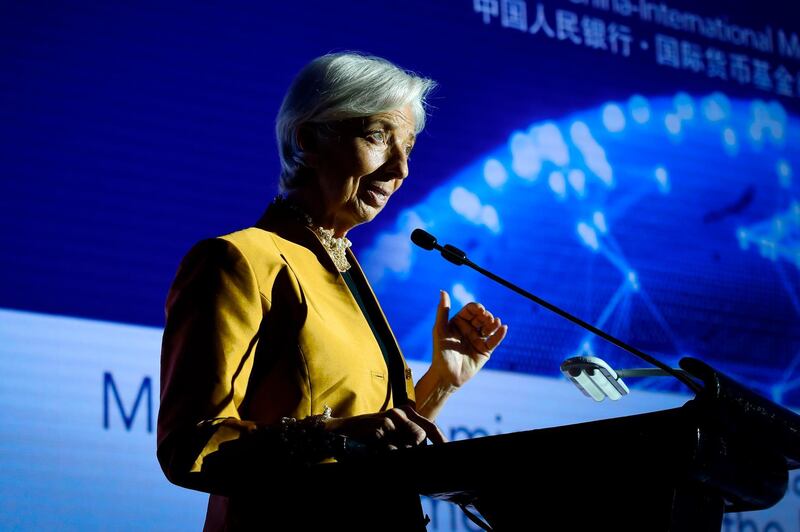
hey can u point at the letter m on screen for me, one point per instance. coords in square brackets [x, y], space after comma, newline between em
[128, 414]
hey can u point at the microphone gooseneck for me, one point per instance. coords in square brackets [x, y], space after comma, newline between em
[428, 242]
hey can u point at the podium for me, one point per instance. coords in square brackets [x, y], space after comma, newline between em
[726, 450]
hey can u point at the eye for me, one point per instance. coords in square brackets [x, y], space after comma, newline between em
[377, 135]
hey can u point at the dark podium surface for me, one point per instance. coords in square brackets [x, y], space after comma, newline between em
[658, 471]
[727, 450]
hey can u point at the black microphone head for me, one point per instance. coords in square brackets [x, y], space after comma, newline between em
[423, 239]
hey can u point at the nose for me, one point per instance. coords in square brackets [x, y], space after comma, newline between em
[397, 163]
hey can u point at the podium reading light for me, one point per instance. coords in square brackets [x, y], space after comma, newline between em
[598, 380]
[594, 378]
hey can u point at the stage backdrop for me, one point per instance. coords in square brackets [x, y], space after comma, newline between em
[634, 161]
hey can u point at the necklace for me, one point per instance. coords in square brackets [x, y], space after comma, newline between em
[335, 246]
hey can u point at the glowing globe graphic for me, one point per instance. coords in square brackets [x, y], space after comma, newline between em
[671, 222]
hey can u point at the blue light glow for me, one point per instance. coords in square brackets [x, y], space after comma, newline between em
[526, 162]
[469, 206]
[462, 295]
[585, 349]
[579, 133]
[494, 173]
[599, 220]
[619, 228]
[716, 107]
[673, 123]
[639, 109]
[756, 132]
[784, 170]
[577, 180]
[662, 177]
[490, 219]
[550, 143]
[613, 118]
[729, 140]
[767, 117]
[777, 112]
[593, 154]
[744, 238]
[684, 106]
[588, 236]
[777, 237]
[392, 250]
[776, 129]
[558, 184]
[633, 280]
[729, 136]
[465, 203]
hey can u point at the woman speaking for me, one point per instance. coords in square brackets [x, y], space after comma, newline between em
[275, 350]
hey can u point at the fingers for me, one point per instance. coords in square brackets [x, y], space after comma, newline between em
[407, 431]
[480, 318]
[489, 327]
[496, 337]
[432, 432]
[468, 332]
[477, 316]
[484, 332]
[471, 310]
[405, 427]
[393, 429]
[412, 428]
[442, 314]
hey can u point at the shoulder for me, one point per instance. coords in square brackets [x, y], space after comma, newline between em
[267, 248]
[246, 254]
[254, 252]
[258, 252]
[252, 241]
[251, 247]
[213, 262]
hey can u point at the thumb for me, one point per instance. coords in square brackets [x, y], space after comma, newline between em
[442, 313]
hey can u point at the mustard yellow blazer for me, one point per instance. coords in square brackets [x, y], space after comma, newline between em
[260, 325]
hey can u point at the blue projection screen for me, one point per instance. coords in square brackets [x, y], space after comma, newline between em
[635, 162]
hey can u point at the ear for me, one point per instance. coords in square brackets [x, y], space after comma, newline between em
[309, 144]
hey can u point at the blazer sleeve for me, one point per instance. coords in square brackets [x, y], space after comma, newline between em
[214, 310]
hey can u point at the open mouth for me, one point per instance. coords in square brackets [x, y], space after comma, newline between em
[376, 196]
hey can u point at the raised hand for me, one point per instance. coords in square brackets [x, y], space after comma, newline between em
[463, 344]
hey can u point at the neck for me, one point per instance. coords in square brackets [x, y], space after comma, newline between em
[312, 203]
[335, 245]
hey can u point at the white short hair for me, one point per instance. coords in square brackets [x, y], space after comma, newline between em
[337, 87]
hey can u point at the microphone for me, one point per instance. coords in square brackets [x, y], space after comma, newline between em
[428, 242]
[425, 240]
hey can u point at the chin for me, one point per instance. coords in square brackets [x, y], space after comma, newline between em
[368, 212]
[367, 217]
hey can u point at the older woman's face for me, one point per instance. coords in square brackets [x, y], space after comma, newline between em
[364, 166]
